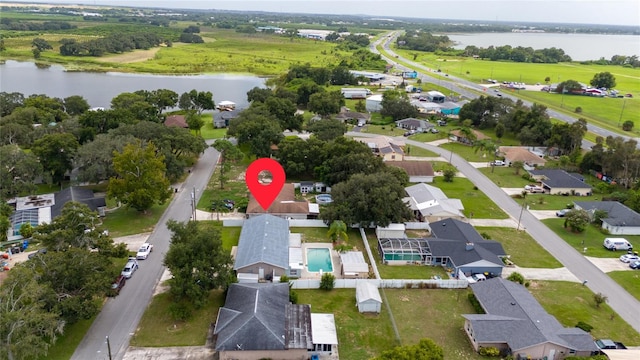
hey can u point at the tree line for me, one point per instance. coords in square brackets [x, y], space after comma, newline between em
[19, 25]
[113, 44]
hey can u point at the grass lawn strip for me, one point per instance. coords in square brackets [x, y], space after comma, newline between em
[629, 280]
[123, 222]
[522, 249]
[475, 201]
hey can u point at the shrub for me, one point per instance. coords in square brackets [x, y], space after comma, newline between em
[627, 125]
[584, 326]
[516, 277]
[327, 282]
[293, 296]
[578, 110]
[489, 351]
[476, 304]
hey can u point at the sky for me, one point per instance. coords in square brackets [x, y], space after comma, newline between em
[617, 12]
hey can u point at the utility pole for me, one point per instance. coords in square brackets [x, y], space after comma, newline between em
[524, 203]
[109, 347]
[193, 203]
[624, 102]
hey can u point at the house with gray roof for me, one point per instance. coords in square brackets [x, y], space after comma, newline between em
[560, 182]
[620, 219]
[418, 125]
[221, 119]
[258, 322]
[263, 247]
[429, 203]
[457, 245]
[516, 324]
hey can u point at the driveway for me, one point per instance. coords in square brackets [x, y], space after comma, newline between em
[543, 214]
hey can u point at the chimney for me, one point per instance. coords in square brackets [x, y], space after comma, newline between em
[468, 246]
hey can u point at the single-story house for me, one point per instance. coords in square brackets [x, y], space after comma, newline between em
[430, 204]
[345, 115]
[263, 247]
[368, 298]
[459, 136]
[426, 107]
[516, 324]
[418, 171]
[520, 153]
[374, 103]
[386, 147]
[42, 209]
[285, 206]
[221, 119]
[176, 121]
[620, 219]
[353, 265]
[258, 322]
[418, 125]
[306, 187]
[456, 245]
[560, 182]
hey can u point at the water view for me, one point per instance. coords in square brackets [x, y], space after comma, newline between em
[579, 46]
[99, 88]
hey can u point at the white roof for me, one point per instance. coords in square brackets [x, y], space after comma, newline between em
[393, 227]
[353, 262]
[323, 329]
[295, 258]
[377, 97]
[314, 208]
[226, 103]
[295, 239]
[367, 291]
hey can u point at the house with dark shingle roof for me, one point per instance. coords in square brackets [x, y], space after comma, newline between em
[457, 245]
[221, 119]
[459, 136]
[516, 324]
[560, 182]
[418, 171]
[263, 247]
[414, 124]
[259, 322]
[620, 219]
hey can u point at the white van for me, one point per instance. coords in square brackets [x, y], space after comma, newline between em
[614, 244]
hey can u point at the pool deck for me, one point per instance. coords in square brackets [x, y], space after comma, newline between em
[335, 260]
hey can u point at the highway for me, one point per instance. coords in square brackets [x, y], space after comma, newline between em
[120, 315]
[469, 89]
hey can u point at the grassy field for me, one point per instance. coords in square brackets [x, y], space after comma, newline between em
[67, 343]
[319, 235]
[234, 188]
[475, 201]
[522, 249]
[208, 132]
[468, 153]
[571, 302]
[504, 176]
[123, 222]
[158, 329]
[553, 202]
[629, 280]
[591, 238]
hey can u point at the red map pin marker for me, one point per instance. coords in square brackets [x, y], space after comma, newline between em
[265, 193]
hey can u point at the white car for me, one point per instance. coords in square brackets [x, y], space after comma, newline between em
[497, 163]
[130, 268]
[532, 188]
[144, 251]
[627, 258]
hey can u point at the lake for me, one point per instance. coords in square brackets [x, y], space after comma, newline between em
[579, 46]
[99, 88]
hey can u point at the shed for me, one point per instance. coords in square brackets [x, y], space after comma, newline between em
[374, 103]
[391, 231]
[368, 298]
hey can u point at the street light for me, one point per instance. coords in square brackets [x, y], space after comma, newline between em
[109, 347]
[193, 203]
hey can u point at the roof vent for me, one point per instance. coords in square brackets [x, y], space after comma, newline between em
[468, 246]
[513, 303]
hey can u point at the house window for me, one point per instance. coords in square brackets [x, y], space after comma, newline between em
[572, 351]
[393, 157]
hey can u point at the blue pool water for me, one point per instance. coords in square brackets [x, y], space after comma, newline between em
[319, 259]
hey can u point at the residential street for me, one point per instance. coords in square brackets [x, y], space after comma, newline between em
[120, 315]
[620, 300]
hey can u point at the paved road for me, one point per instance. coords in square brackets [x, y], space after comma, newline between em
[120, 315]
[465, 87]
[620, 300]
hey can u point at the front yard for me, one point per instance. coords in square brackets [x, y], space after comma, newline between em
[522, 249]
[476, 204]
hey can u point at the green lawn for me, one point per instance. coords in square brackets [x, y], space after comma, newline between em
[475, 201]
[629, 280]
[208, 132]
[504, 176]
[360, 336]
[417, 151]
[387, 130]
[123, 222]
[522, 249]
[319, 235]
[591, 238]
[235, 187]
[554, 202]
[230, 235]
[571, 302]
[158, 329]
[467, 152]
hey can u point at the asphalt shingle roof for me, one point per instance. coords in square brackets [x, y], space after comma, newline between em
[74, 193]
[617, 214]
[514, 316]
[455, 230]
[264, 238]
[560, 179]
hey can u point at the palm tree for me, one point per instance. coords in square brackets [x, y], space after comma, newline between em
[338, 230]
[486, 146]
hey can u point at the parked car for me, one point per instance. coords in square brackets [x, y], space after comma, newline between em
[478, 277]
[628, 258]
[229, 204]
[498, 163]
[615, 244]
[144, 251]
[441, 123]
[117, 285]
[434, 131]
[609, 344]
[635, 264]
[533, 188]
[562, 213]
[130, 268]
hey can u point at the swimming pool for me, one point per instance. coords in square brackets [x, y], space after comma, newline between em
[319, 259]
